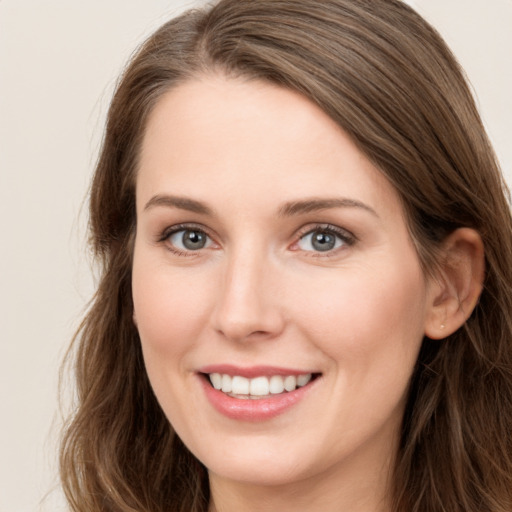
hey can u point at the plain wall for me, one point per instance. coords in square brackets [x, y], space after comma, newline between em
[58, 63]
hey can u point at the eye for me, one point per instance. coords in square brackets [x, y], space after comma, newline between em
[190, 239]
[324, 239]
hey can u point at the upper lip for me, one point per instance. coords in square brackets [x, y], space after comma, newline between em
[252, 371]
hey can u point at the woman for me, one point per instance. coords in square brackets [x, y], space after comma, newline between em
[305, 292]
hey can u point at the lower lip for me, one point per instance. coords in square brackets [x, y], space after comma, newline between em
[259, 409]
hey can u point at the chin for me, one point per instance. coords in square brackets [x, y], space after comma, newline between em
[261, 464]
[256, 473]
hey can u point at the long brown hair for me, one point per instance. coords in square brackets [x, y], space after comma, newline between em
[387, 78]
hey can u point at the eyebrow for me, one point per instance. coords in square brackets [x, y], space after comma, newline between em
[289, 209]
[183, 203]
[317, 204]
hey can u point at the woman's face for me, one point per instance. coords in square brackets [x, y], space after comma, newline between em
[270, 254]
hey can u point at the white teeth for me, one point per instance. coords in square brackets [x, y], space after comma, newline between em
[276, 384]
[259, 386]
[226, 384]
[239, 385]
[290, 383]
[242, 387]
[216, 380]
[302, 380]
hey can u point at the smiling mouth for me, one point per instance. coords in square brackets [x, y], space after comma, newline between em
[256, 388]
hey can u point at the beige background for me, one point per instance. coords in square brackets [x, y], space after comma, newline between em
[58, 63]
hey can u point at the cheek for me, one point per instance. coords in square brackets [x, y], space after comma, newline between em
[369, 319]
[170, 307]
[370, 326]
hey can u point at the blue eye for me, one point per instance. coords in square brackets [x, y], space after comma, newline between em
[322, 240]
[189, 239]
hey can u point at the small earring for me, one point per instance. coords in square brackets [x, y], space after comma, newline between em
[442, 326]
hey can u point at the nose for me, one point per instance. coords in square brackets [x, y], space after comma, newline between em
[248, 307]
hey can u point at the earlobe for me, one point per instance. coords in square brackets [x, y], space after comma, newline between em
[459, 283]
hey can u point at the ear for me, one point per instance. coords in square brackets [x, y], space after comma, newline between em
[134, 318]
[454, 292]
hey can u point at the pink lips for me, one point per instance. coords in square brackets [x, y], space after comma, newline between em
[252, 410]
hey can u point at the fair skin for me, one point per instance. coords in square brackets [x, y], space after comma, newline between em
[267, 243]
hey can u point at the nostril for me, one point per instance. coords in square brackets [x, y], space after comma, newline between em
[246, 333]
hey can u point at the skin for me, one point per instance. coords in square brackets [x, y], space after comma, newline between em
[259, 293]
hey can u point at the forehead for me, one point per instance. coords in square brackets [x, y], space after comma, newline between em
[240, 111]
[235, 137]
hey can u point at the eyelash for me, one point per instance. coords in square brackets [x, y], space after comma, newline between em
[347, 238]
[168, 232]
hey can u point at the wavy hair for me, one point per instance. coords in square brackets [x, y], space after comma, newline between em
[390, 82]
